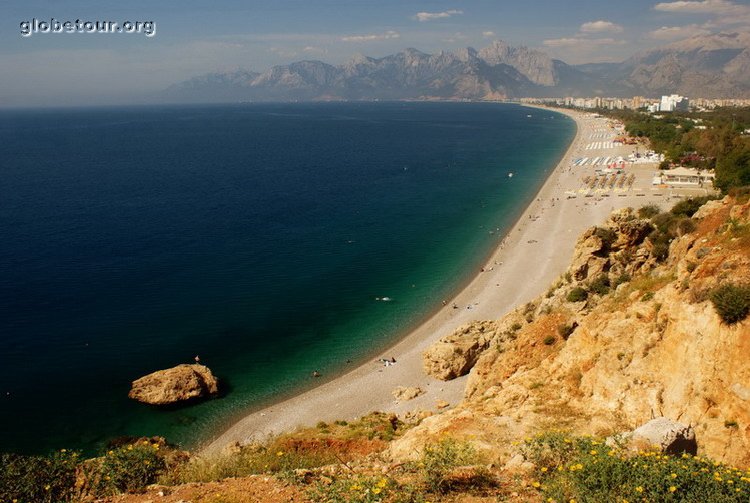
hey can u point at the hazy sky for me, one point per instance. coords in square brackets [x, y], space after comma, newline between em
[193, 37]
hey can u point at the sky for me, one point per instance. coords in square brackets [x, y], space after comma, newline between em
[193, 37]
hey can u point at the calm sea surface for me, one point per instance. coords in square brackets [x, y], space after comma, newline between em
[257, 236]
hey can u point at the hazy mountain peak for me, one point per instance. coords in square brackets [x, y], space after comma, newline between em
[534, 65]
[706, 66]
[466, 54]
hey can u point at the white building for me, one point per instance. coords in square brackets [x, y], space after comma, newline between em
[674, 102]
[685, 177]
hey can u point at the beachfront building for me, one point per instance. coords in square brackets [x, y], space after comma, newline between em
[684, 177]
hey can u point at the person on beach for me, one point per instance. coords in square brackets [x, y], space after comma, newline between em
[197, 359]
[316, 373]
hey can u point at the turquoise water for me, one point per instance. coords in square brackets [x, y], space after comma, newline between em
[257, 236]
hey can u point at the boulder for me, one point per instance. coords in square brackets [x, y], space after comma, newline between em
[455, 355]
[668, 436]
[177, 384]
[403, 394]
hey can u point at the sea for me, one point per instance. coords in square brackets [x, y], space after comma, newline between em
[257, 236]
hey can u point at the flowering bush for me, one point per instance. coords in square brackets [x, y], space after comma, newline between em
[584, 469]
[38, 479]
[128, 468]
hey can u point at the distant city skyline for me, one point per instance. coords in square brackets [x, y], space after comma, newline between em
[195, 37]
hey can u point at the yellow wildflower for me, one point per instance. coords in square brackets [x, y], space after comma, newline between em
[593, 452]
[376, 490]
[639, 489]
[674, 475]
[672, 489]
[382, 482]
[544, 469]
[280, 453]
[535, 484]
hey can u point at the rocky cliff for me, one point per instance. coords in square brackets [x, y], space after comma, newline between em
[627, 334]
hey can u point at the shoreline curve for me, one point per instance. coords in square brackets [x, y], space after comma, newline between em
[534, 252]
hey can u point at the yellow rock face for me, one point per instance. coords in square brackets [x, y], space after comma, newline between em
[653, 347]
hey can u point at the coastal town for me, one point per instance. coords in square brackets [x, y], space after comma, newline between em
[665, 103]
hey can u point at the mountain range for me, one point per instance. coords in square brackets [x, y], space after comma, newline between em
[712, 66]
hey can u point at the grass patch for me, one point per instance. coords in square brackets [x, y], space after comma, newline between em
[338, 442]
[363, 489]
[440, 459]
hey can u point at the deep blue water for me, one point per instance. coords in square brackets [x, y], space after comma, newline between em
[256, 236]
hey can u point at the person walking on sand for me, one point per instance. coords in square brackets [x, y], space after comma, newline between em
[197, 359]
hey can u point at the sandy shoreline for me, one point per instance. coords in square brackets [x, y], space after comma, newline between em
[534, 253]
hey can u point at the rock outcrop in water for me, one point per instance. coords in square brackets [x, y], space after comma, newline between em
[177, 384]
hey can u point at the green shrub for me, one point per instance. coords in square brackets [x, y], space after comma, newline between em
[38, 479]
[732, 302]
[566, 331]
[741, 194]
[515, 327]
[608, 237]
[648, 211]
[439, 459]
[660, 242]
[600, 285]
[664, 222]
[549, 340]
[128, 468]
[686, 226]
[619, 280]
[647, 296]
[577, 294]
[587, 470]
[688, 207]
